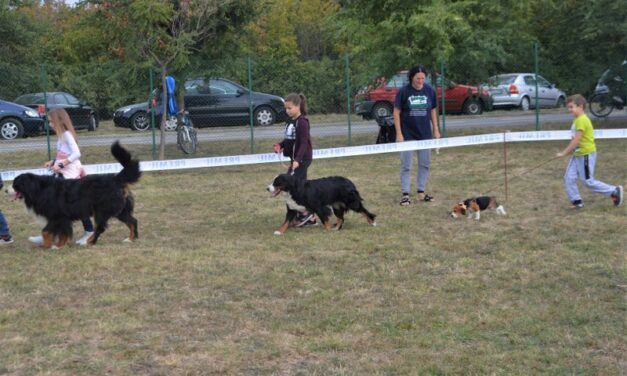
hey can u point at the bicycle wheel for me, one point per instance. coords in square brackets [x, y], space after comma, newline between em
[186, 138]
[601, 105]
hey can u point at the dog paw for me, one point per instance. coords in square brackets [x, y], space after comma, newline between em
[54, 247]
[374, 224]
[278, 233]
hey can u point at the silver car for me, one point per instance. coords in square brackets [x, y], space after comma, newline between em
[519, 90]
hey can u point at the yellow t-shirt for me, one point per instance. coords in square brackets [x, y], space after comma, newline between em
[586, 144]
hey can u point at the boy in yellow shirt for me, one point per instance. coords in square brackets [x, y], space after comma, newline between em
[582, 163]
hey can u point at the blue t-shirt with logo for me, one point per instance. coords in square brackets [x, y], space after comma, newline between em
[416, 106]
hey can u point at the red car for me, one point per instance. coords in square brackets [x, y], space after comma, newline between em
[377, 100]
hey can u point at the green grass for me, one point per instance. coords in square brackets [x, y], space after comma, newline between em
[208, 288]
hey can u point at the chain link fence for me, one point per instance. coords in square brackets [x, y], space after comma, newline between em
[238, 108]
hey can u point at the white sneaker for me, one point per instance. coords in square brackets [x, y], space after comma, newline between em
[39, 240]
[83, 239]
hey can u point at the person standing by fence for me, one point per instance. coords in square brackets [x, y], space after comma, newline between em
[416, 118]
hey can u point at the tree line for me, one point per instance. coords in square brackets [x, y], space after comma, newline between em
[103, 50]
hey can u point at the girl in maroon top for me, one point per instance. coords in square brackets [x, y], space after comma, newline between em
[296, 108]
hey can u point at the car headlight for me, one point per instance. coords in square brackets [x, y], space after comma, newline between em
[31, 113]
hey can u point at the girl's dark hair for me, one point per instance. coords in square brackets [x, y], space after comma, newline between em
[416, 69]
[299, 100]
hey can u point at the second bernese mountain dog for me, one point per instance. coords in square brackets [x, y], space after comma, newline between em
[60, 202]
[319, 196]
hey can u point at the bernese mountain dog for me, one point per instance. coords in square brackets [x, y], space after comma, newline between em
[472, 207]
[319, 196]
[59, 202]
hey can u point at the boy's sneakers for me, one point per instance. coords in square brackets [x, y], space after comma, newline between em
[83, 239]
[6, 239]
[617, 196]
[577, 204]
[302, 221]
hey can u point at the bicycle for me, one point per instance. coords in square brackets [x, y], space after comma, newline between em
[186, 136]
[609, 93]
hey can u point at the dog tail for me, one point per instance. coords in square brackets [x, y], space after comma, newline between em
[130, 173]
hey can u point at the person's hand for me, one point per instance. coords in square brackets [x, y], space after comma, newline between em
[295, 165]
[48, 164]
[277, 148]
[436, 133]
[55, 168]
[399, 137]
[561, 154]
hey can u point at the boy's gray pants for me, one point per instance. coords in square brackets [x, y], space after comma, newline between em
[424, 161]
[583, 168]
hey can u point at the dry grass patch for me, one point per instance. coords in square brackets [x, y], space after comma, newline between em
[208, 288]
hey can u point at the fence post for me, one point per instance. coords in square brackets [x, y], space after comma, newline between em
[152, 114]
[535, 60]
[44, 87]
[443, 89]
[348, 100]
[250, 107]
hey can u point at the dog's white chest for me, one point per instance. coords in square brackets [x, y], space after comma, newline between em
[292, 204]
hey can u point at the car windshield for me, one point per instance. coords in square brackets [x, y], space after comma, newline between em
[400, 80]
[505, 79]
[30, 99]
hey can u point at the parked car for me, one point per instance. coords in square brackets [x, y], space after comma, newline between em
[518, 90]
[210, 102]
[83, 116]
[18, 121]
[378, 100]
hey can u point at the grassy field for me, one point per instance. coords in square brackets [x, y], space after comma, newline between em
[208, 289]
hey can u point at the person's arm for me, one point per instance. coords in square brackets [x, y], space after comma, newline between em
[302, 134]
[434, 122]
[397, 124]
[572, 145]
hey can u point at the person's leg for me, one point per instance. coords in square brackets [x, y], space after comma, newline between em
[406, 162]
[5, 234]
[424, 163]
[4, 226]
[89, 231]
[589, 163]
[570, 180]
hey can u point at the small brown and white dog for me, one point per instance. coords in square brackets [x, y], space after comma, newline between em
[472, 207]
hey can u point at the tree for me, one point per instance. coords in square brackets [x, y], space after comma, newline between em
[168, 32]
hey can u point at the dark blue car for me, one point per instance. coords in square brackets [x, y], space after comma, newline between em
[18, 121]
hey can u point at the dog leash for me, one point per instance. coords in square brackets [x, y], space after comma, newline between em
[521, 174]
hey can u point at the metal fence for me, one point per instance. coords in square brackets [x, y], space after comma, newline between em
[237, 108]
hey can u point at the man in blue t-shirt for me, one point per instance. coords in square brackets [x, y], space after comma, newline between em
[416, 118]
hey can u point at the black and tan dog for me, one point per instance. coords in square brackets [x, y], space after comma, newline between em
[59, 202]
[318, 196]
[472, 207]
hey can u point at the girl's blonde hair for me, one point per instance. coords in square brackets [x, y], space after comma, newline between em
[62, 122]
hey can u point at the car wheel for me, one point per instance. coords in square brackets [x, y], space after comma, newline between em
[561, 102]
[140, 121]
[264, 116]
[524, 104]
[381, 109]
[92, 123]
[472, 107]
[11, 129]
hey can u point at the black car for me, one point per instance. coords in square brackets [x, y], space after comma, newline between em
[18, 121]
[82, 115]
[212, 102]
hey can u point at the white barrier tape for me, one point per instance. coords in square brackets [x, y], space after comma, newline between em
[246, 159]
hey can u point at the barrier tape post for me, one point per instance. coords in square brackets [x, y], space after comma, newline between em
[505, 164]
